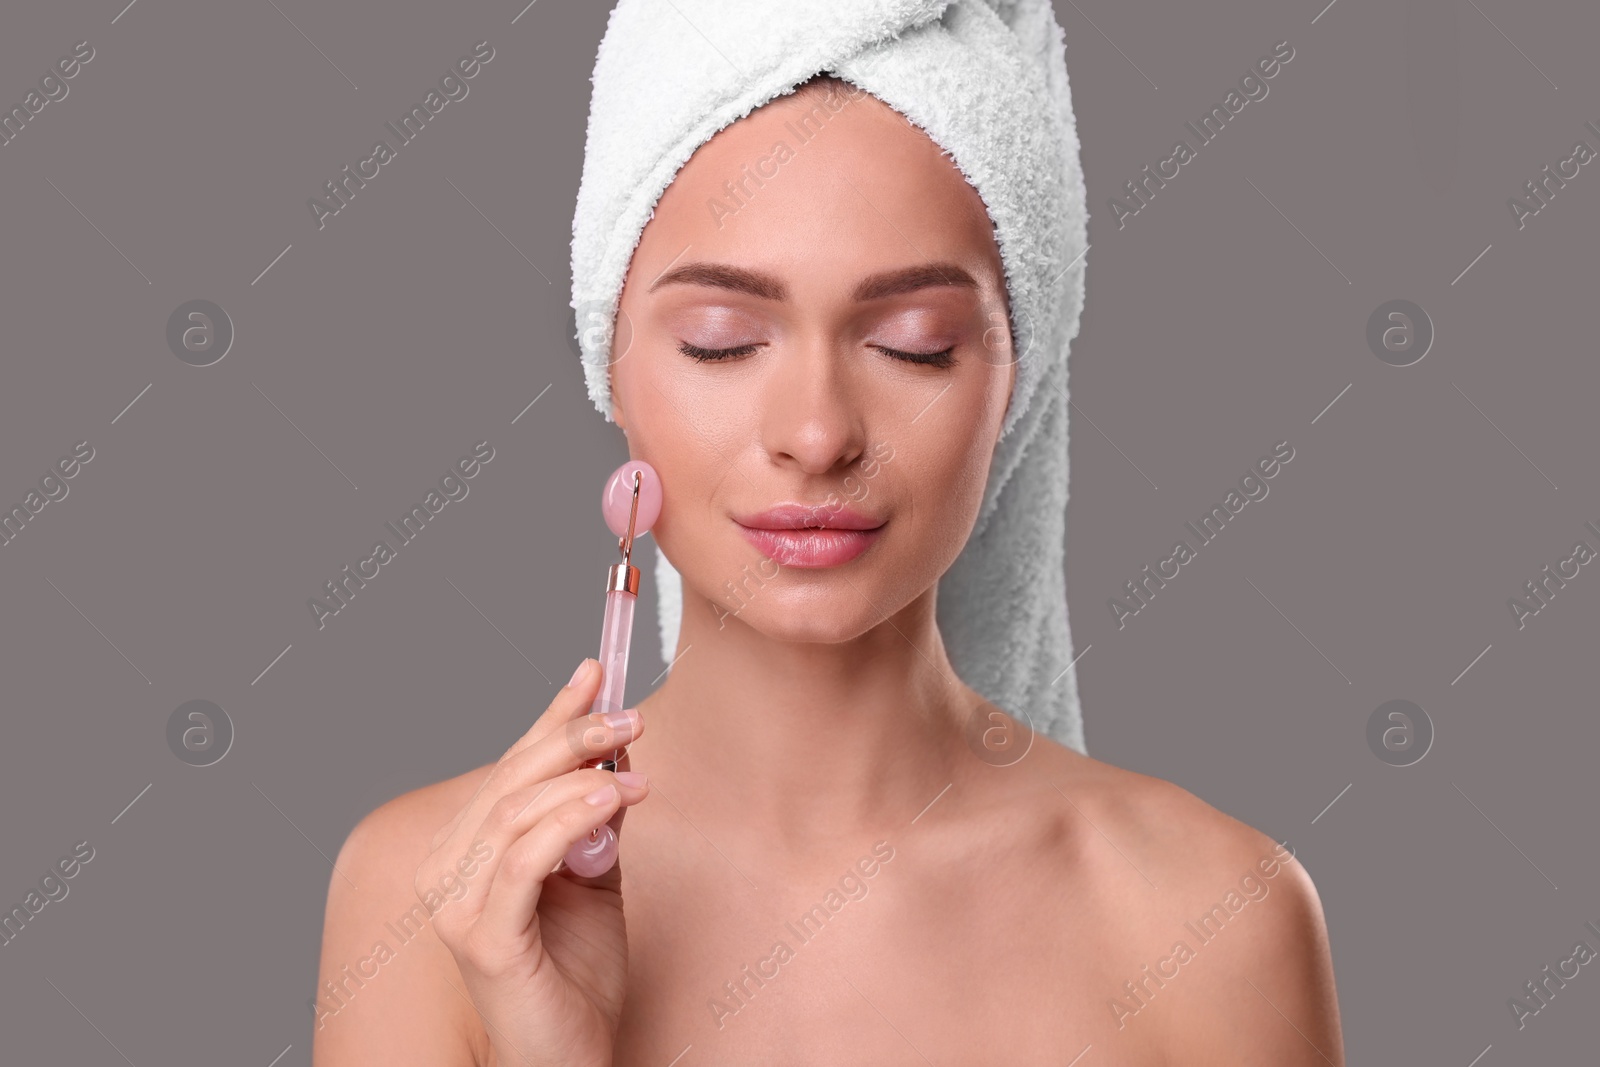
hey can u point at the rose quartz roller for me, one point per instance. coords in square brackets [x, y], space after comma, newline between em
[631, 503]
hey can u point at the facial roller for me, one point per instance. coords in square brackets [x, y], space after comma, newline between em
[631, 503]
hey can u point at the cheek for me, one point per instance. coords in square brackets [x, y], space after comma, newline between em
[692, 434]
[943, 464]
[707, 405]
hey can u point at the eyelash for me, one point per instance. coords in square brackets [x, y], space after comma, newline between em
[711, 355]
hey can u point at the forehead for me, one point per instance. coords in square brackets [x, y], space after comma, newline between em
[823, 179]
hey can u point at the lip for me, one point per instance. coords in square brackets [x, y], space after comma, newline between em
[811, 548]
[797, 516]
[800, 535]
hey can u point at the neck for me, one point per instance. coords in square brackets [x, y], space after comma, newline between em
[803, 742]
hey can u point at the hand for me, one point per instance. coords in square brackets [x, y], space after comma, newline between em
[544, 954]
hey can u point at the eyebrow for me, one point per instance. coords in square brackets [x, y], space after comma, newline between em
[770, 287]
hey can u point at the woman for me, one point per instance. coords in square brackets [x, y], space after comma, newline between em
[817, 869]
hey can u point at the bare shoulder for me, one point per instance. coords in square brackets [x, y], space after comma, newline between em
[379, 953]
[1192, 843]
[1228, 950]
[1151, 812]
[405, 825]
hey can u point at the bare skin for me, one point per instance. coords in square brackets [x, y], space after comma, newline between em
[812, 752]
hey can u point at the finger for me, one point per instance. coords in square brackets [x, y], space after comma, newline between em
[624, 764]
[575, 699]
[514, 814]
[513, 898]
[607, 877]
[553, 755]
[572, 700]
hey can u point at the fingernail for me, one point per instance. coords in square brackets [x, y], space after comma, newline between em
[602, 796]
[579, 674]
[617, 718]
[633, 779]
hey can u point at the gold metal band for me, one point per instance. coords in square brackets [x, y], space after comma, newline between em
[622, 577]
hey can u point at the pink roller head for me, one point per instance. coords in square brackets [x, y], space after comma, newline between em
[617, 499]
[594, 854]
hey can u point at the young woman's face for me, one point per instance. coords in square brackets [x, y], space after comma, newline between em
[815, 315]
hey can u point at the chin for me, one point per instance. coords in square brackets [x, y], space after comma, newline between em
[821, 625]
[805, 605]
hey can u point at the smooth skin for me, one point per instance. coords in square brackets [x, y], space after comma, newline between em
[843, 853]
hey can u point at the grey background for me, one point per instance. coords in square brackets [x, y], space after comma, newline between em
[1223, 318]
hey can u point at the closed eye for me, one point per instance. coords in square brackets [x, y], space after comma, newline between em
[709, 355]
[930, 359]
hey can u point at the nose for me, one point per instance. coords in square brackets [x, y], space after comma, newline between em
[813, 417]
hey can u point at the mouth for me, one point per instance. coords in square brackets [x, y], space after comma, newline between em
[797, 535]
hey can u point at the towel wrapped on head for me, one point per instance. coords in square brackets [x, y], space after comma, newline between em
[987, 81]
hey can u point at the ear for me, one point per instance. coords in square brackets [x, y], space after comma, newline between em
[618, 416]
[1011, 391]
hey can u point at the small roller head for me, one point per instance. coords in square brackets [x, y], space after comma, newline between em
[594, 854]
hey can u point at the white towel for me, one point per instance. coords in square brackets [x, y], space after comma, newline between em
[987, 81]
